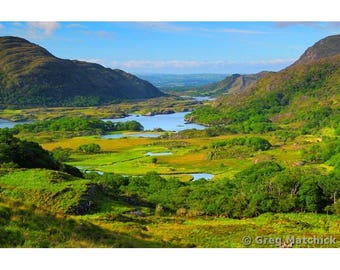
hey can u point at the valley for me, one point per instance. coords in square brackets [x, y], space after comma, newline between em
[164, 170]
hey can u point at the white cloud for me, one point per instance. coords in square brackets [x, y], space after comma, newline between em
[156, 64]
[47, 28]
[237, 31]
[171, 27]
[188, 66]
[272, 61]
[1, 26]
[163, 26]
[316, 25]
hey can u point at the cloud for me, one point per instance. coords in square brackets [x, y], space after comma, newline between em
[236, 31]
[317, 25]
[47, 28]
[201, 66]
[272, 61]
[175, 28]
[1, 26]
[155, 64]
[163, 27]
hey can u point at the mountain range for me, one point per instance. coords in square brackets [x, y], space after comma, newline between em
[32, 76]
[306, 93]
[230, 84]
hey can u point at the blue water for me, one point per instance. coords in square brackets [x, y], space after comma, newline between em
[204, 98]
[167, 122]
[158, 154]
[206, 176]
[134, 135]
[10, 124]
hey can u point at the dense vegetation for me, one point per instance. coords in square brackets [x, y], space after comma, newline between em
[79, 125]
[273, 152]
[234, 83]
[263, 187]
[31, 76]
[305, 94]
[89, 148]
[15, 153]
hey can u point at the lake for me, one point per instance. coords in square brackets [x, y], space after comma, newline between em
[168, 122]
[206, 176]
[10, 124]
[204, 98]
[133, 135]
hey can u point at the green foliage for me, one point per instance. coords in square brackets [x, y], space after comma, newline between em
[79, 125]
[31, 76]
[328, 151]
[128, 125]
[305, 92]
[238, 147]
[32, 227]
[53, 190]
[24, 154]
[256, 143]
[16, 153]
[61, 154]
[263, 187]
[206, 115]
[89, 148]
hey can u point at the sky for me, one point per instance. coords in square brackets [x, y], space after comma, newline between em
[177, 47]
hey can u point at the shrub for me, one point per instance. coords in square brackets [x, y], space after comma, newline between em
[89, 148]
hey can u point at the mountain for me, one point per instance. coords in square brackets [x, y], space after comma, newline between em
[326, 47]
[231, 84]
[32, 76]
[173, 82]
[304, 95]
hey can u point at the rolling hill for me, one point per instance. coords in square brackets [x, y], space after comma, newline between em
[231, 84]
[32, 76]
[305, 93]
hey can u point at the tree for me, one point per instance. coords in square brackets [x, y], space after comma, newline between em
[25, 154]
[61, 154]
[89, 148]
[311, 195]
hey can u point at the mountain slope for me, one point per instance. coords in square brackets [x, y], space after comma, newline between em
[30, 76]
[231, 84]
[305, 93]
[326, 47]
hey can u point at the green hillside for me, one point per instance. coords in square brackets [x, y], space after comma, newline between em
[231, 84]
[31, 76]
[326, 47]
[305, 95]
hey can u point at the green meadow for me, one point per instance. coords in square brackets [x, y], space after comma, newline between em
[266, 187]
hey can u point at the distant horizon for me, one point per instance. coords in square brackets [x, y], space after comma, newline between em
[177, 47]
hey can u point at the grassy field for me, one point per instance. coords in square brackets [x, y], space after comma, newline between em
[25, 225]
[44, 208]
[128, 155]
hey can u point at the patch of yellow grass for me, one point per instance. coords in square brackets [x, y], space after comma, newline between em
[105, 144]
